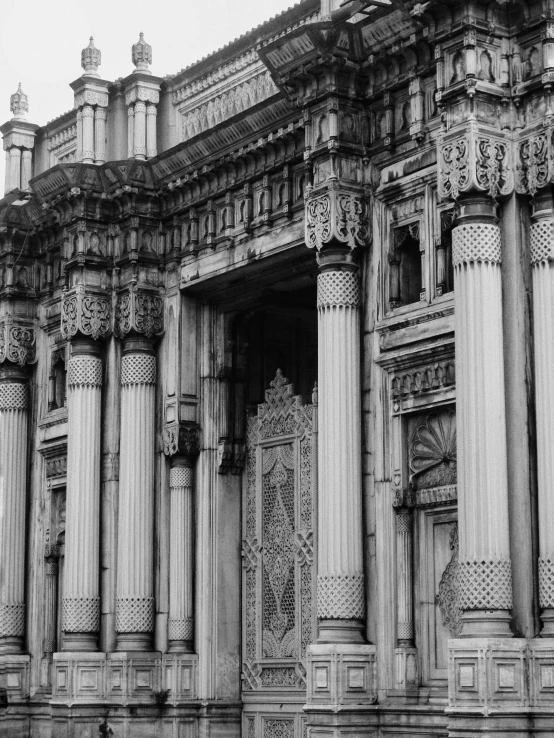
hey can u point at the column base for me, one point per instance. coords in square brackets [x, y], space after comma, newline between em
[11, 644]
[15, 674]
[180, 647]
[86, 642]
[341, 674]
[547, 618]
[341, 631]
[405, 674]
[486, 624]
[134, 642]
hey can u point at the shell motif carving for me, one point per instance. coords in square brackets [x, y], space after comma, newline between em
[433, 451]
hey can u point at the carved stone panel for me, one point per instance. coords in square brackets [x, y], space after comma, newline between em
[278, 539]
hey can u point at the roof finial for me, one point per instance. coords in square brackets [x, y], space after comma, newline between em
[142, 55]
[19, 103]
[91, 59]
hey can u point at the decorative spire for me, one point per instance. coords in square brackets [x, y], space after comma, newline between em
[142, 55]
[91, 59]
[19, 103]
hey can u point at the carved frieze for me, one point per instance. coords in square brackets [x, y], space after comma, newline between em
[474, 161]
[86, 313]
[181, 438]
[139, 311]
[17, 342]
[337, 216]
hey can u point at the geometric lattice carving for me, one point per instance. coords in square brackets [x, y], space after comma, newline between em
[138, 369]
[84, 371]
[338, 289]
[542, 241]
[80, 614]
[13, 396]
[485, 585]
[12, 620]
[278, 562]
[181, 476]
[340, 596]
[181, 629]
[476, 242]
[447, 598]
[278, 728]
[546, 582]
[134, 614]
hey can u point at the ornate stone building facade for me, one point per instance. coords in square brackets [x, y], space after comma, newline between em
[277, 385]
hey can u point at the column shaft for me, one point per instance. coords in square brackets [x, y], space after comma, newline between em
[26, 168]
[151, 145]
[340, 578]
[135, 545]
[100, 135]
[131, 132]
[15, 168]
[88, 134]
[81, 600]
[405, 621]
[13, 494]
[7, 174]
[140, 131]
[542, 260]
[485, 569]
[181, 559]
[50, 602]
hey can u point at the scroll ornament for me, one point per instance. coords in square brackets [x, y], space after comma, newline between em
[474, 162]
[85, 313]
[337, 216]
[534, 163]
[17, 342]
[141, 312]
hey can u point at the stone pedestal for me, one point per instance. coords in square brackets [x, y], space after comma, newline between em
[14, 403]
[135, 544]
[81, 600]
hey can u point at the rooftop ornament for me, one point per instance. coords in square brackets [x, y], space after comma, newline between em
[19, 103]
[142, 55]
[91, 59]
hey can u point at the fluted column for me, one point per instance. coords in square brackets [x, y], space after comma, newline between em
[151, 145]
[88, 134]
[484, 554]
[405, 609]
[50, 604]
[100, 135]
[135, 545]
[542, 261]
[181, 557]
[14, 403]
[140, 130]
[81, 600]
[130, 132]
[340, 580]
[79, 118]
[26, 168]
[15, 168]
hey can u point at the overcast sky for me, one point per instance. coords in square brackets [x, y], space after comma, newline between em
[41, 42]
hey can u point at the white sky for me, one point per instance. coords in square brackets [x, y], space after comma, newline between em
[41, 42]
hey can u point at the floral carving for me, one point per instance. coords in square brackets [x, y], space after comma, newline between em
[141, 312]
[85, 313]
[454, 176]
[491, 166]
[336, 216]
[533, 167]
[17, 343]
[447, 597]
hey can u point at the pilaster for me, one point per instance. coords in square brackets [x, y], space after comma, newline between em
[18, 142]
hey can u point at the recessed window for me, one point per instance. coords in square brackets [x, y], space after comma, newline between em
[443, 254]
[405, 266]
[58, 381]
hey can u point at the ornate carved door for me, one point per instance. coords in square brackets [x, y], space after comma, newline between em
[279, 577]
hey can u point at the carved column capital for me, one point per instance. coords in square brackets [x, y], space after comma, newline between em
[474, 161]
[86, 313]
[17, 342]
[534, 162]
[337, 216]
[182, 439]
[140, 312]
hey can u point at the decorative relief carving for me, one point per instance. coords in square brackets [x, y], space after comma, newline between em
[138, 369]
[485, 585]
[14, 396]
[85, 313]
[17, 343]
[182, 438]
[80, 614]
[546, 582]
[12, 620]
[432, 453]
[56, 467]
[542, 241]
[141, 312]
[84, 371]
[340, 596]
[278, 728]
[475, 162]
[447, 597]
[423, 379]
[338, 289]
[533, 168]
[180, 629]
[134, 614]
[476, 242]
[337, 217]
